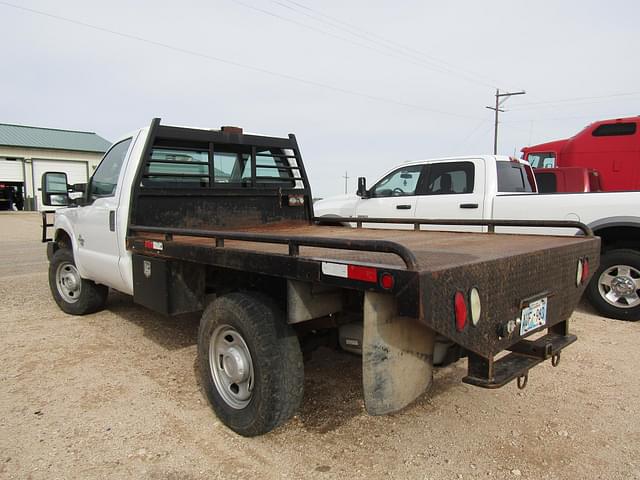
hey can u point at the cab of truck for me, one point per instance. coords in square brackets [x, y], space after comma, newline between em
[464, 188]
[610, 147]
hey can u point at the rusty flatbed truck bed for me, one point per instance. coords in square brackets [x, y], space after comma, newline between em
[236, 237]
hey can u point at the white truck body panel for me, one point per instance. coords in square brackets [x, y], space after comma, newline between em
[594, 209]
[101, 253]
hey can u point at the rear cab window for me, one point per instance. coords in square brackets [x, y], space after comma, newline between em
[515, 177]
[219, 166]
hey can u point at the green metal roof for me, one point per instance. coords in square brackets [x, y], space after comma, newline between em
[51, 138]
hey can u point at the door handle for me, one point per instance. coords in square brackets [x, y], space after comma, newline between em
[403, 207]
[468, 205]
[112, 220]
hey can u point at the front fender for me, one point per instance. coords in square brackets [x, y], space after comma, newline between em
[340, 206]
[63, 223]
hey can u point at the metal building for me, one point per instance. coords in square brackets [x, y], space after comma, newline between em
[27, 152]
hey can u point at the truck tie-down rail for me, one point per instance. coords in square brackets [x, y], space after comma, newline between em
[491, 224]
[294, 242]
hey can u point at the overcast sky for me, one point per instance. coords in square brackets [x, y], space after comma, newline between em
[364, 85]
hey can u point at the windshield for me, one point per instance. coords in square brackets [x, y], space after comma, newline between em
[515, 177]
[542, 159]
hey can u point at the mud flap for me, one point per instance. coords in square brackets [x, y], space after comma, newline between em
[397, 356]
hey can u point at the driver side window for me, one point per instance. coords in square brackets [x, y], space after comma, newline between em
[105, 178]
[402, 182]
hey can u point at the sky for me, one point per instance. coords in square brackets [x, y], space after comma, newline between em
[364, 85]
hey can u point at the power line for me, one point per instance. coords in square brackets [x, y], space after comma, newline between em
[392, 53]
[575, 100]
[407, 54]
[403, 49]
[194, 53]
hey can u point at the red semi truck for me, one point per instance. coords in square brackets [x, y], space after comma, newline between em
[567, 179]
[610, 147]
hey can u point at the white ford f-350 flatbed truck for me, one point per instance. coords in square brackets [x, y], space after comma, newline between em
[221, 222]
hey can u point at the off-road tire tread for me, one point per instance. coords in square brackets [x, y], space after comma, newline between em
[276, 355]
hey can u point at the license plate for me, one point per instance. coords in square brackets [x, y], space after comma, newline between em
[534, 316]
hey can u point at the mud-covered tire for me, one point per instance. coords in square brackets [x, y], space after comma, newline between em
[258, 332]
[73, 294]
[620, 263]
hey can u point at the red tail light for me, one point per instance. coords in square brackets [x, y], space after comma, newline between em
[386, 281]
[364, 274]
[460, 307]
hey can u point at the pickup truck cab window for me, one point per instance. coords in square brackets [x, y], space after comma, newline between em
[515, 177]
[105, 178]
[177, 168]
[449, 178]
[231, 167]
[271, 166]
[401, 182]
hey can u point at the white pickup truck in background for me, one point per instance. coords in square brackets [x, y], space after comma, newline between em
[498, 188]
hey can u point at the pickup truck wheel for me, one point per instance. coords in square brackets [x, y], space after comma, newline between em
[72, 293]
[250, 363]
[614, 290]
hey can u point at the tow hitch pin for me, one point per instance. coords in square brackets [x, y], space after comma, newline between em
[522, 381]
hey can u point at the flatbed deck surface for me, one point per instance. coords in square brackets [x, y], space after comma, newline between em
[434, 250]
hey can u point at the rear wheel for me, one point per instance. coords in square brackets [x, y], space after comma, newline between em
[72, 293]
[614, 290]
[250, 363]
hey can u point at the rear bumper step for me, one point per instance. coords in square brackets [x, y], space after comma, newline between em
[524, 355]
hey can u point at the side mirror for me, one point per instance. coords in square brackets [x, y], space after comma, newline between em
[55, 191]
[362, 188]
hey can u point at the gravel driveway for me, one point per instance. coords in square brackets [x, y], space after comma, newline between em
[115, 395]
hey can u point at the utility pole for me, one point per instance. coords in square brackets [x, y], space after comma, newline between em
[500, 99]
[346, 177]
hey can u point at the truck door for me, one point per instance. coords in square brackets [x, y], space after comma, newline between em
[452, 190]
[392, 197]
[96, 237]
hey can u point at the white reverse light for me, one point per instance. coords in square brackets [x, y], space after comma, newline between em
[476, 307]
[579, 273]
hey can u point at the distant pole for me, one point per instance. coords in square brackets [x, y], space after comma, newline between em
[500, 99]
[346, 177]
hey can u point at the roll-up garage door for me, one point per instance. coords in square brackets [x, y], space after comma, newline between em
[11, 171]
[76, 173]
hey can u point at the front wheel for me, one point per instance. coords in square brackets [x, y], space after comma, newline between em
[614, 290]
[73, 294]
[250, 363]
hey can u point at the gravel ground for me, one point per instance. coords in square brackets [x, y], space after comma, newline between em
[115, 395]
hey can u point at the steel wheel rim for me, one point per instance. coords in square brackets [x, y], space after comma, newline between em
[619, 285]
[231, 366]
[68, 282]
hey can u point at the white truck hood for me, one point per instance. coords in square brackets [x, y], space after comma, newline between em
[338, 206]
